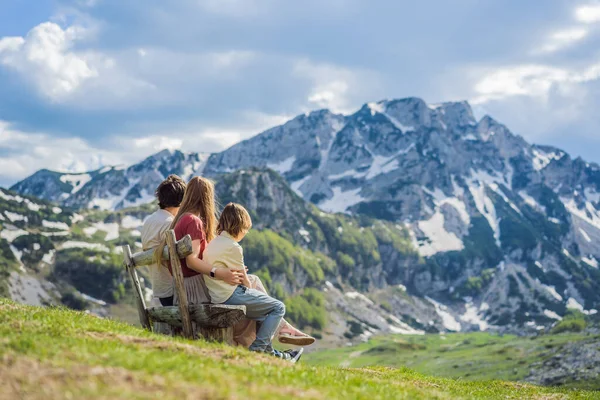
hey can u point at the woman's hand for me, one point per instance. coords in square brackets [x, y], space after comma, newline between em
[230, 276]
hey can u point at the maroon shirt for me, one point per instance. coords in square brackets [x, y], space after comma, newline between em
[190, 224]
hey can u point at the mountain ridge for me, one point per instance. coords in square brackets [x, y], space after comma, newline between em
[506, 232]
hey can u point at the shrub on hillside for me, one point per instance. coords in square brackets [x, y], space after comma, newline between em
[100, 276]
[573, 321]
[307, 309]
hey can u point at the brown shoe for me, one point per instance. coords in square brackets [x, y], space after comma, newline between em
[295, 337]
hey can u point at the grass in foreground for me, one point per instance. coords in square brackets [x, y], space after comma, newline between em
[469, 356]
[57, 353]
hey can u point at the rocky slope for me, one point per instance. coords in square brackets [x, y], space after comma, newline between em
[505, 232]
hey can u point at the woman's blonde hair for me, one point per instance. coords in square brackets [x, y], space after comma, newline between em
[234, 220]
[199, 200]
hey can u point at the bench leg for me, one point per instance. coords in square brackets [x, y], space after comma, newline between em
[222, 335]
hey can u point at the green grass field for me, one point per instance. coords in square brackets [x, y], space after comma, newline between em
[57, 353]
[470, 356]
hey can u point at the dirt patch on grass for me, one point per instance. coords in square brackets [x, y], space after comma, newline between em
[231, 355]
[24, 378]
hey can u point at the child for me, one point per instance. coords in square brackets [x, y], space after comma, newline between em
[224, 251]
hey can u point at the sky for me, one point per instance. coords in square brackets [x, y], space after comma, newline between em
[88, 83]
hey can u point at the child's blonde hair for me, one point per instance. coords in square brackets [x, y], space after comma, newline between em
[234, 220]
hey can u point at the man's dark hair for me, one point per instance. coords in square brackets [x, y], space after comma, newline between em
[170, 192]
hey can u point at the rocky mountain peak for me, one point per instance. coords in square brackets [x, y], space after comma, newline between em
[504, 232]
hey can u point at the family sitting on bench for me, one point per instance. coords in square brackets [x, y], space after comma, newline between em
[215, 271]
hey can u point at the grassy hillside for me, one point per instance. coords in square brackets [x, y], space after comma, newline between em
[57, 353]
[469, 356]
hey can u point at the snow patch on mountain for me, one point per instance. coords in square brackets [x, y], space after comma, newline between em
[542, 159]
[15, 217]
[552, 315]
[591, 261]
[283, 166]
[573, 304]
[9, 197]
[553, 292]
[11, 234]
[75, 218]
[103, 204]
[48, 258]
[474, 316]
[438, 239]
[585, 235]
[383, 165]
[532, 202]
[33, 206]
[146, 197]
[589, 213]
[439, 199]
[73, 244]
[381, 109]
[130, 222]
[55, 225]
[449, 322]
[111, 229]
[341, 200]
[402, 328]
[305, 235]
[18, 254]
[77, 181]
[485, 206]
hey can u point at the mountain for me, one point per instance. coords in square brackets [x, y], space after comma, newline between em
[502, 234]
[111, 188]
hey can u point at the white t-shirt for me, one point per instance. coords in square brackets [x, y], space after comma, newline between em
[222, 252]
[152, 234]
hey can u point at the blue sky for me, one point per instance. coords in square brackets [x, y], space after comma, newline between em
[92, 82]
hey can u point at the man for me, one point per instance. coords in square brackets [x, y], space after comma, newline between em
[169, 194]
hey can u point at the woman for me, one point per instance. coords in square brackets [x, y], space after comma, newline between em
[197, 217]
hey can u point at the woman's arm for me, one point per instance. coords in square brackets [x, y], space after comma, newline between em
[231, 277]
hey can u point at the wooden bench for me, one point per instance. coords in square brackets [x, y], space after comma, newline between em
[213, 321]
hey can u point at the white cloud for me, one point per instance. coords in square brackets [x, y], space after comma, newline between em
[198, 137]
[29, 152]
[562, 39]
[26, 152]
[529, 80]
[46, 57]
[588, 14]
[334, 87]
